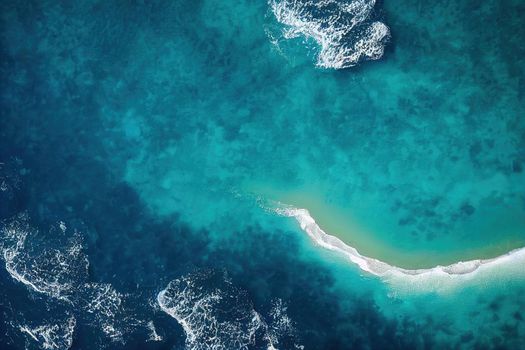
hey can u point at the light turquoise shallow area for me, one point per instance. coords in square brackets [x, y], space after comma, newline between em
[416, 159]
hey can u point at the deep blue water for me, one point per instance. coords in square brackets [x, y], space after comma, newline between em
[137, 140]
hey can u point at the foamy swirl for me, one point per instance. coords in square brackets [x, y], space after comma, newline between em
[344, 30]
[214, 314]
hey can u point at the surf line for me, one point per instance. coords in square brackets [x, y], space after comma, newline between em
[383, 269]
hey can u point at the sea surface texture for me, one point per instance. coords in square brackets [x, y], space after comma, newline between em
[281, 174]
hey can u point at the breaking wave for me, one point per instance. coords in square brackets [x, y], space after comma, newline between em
[53, 264]
[433, 278]
[344, 30]
[214, 314]
[54, 267]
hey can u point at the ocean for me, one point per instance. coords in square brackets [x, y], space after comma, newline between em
[282, 174]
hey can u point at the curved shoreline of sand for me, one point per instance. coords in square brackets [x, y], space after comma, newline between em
[382, 269]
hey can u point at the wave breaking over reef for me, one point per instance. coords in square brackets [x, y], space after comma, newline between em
[214, 314]
[345, 31]
[427, 278]
[54, 264]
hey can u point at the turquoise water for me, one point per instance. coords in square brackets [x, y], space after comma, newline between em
[165, 133]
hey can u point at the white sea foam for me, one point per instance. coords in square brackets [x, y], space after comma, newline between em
[415, 279]
[52, 336]
[343, 30]
[278, 325]
[153, 336]
[216, 315]
[54, 264]
[55, 271]
[103, 301]
[196, 310]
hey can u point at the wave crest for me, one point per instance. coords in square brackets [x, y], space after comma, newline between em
[344, 30]
[54, 264]
[214, 314]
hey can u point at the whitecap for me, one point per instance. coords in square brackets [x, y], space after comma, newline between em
[216, 315]
[279, 324]
[104, 302]
[55, 267]
[54, 264]
[344, 31]
[197, 309]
